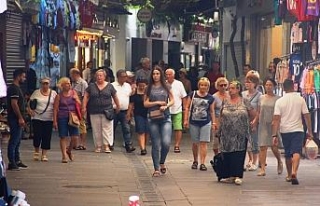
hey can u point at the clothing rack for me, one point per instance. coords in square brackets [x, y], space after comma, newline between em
[312, 62]
[284, 56]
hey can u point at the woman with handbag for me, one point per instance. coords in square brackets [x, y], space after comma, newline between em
[158, 99]
[66, 118]
[40, 108]
[98, 99]
[199, 116]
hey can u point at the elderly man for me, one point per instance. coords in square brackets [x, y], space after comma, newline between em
[179, 94]
[144, 72]
[80, 85]
[124, 91]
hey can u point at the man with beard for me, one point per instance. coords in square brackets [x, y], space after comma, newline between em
[16, 110]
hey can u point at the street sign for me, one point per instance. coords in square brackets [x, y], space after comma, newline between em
[144, 15]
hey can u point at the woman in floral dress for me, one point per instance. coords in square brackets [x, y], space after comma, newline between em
[234, 132]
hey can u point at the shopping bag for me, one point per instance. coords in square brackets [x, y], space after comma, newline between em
[311, 149]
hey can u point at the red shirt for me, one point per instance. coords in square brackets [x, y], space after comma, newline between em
[213, 78]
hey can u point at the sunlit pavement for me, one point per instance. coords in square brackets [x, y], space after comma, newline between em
[109, 179]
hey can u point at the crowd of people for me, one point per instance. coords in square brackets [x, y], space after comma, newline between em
[236, 116]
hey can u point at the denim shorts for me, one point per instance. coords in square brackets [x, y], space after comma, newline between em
[141, 124]
[65, 130]
[200, 134]
[292, 143]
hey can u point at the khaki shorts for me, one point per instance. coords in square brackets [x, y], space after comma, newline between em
[83, 127]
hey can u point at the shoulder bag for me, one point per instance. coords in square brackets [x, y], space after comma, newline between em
[108, 113]
[190, 106]
[74, 120]
[33, 104]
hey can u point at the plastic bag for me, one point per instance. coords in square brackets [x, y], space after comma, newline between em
[311, 149]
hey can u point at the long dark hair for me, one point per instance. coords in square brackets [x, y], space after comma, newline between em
[162, 80]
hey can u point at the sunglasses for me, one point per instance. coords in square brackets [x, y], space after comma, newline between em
[223, 85]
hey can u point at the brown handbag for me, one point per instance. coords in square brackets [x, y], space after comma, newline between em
[156, 115]
[74, 120]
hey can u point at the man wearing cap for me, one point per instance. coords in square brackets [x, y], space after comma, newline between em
[179, 95]
[185, 81]
[80, 85]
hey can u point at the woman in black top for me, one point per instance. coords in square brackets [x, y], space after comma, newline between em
[137, 109]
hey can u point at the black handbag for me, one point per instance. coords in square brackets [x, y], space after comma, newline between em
[33, 104]
[109, 114]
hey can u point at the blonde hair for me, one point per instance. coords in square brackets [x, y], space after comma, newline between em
[220, 79]
[204, 80]
[62, 81]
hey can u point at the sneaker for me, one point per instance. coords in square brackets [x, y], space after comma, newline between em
[13, 167]
[238, 181]
[130, 149]
[253, 167]
[21, 165]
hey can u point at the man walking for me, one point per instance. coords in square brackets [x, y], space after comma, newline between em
[16, 111]
[287, 116]
[144, 72]
[80, 85]
[124, 92]
[179, 94]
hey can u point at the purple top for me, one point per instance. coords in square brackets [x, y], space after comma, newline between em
[66, 105]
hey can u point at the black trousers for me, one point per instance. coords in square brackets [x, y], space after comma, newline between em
[42, 134]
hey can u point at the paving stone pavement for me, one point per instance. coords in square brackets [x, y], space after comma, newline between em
[109, 179]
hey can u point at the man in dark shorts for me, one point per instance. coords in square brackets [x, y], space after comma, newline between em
[288, 113]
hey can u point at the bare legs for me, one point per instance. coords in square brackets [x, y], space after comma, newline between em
[202, 146]
[263, 157]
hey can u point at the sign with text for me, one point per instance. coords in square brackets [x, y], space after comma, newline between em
[198, 36]
[144, 15]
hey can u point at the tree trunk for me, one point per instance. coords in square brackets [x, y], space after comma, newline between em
[233, 53]
[242, 40]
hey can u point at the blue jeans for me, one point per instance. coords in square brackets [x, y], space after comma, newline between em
[125, 126]
[16, 133]
[160, 132]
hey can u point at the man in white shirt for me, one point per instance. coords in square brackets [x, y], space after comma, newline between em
[86, 74]
[124, 92]
[287, 116]
[179, 95]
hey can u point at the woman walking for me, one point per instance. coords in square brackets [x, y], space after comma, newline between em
[264, 120]
[222, 86]
[98, 99]
[158, 99]
[201, 121]
[42, 118]
[252, 95]
[234, 131]
[64, 104]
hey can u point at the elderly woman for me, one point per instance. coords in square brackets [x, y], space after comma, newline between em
[201, 118]
[98, 99]
[64, 104]
[42, 118]
[234, 132]
[158, 99]
[221, 85]
[253, 96]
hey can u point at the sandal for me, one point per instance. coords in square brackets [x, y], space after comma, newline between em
[156, 173]
[280, 168]
[79, 148]
[163, 170]
[203, 167]
[64, 160]
[36, 156]
[70, 155]
[176, 149]
[194, 165]
[288, 179]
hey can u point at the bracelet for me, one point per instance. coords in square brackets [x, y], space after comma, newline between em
[274, 135]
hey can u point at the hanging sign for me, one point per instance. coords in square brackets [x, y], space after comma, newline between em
[144, 15]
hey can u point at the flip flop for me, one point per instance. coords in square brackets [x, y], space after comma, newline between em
[176, 150]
